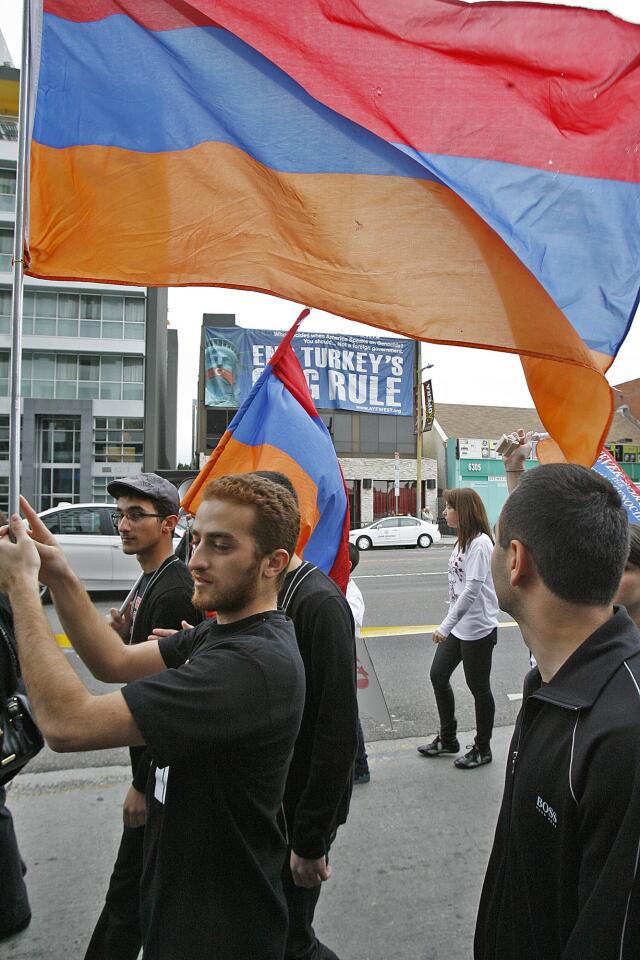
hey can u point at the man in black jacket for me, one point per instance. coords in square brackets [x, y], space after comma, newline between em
[563, 881]
[146, 517]
[318, 789]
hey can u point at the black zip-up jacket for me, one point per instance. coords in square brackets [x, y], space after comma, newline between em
[563, 881]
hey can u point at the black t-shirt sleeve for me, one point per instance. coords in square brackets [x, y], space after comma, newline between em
[175, 650]
[185, 712]
[333, 749]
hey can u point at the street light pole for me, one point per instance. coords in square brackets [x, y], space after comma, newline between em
[419, 371]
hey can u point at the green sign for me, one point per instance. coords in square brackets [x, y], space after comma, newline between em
[474, 468]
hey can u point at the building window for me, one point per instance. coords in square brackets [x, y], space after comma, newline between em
[7, 189]
[353, 492]
[370, 434]
[8, 128]
[71, 376]
[5, 311]
[99, 490]
[53, 314]
[384, 498]
[4, 494]
[217, 423]
[118, 440]
[340, 425]
[59, 460]
[4, 438]
[6, 249]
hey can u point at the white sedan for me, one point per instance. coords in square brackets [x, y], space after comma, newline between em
[91, 543]
[395, 532]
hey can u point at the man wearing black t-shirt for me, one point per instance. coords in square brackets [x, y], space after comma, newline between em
[318, 790]
[221, 722]
[146, 517]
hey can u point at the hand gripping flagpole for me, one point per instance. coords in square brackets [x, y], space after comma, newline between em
[18, 267]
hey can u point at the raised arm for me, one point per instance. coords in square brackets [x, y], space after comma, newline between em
[93, 639]
[514, 462]
[69, 716]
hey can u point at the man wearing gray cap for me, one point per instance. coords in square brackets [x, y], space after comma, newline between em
[146, 516]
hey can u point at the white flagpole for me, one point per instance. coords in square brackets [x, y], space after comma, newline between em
[18, 266]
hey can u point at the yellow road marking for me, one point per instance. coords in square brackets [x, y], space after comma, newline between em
[63, 640]
[412, 631]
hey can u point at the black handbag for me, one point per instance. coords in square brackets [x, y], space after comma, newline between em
[20, 737]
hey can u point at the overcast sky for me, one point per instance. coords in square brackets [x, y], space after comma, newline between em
[460, 375]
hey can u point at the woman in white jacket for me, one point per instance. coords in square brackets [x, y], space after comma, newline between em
[468, 633]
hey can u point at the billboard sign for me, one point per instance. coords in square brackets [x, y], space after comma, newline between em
[344, 372]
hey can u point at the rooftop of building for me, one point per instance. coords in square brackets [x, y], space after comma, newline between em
[479, 421]
[628, 393]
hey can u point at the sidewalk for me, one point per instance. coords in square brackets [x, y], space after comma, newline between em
[408, 865]
[446, 540]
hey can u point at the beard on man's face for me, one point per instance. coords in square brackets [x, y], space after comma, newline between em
[231, 598]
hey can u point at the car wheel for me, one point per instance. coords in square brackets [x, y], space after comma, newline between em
[424, 541]
[45, 596]
[363, 543]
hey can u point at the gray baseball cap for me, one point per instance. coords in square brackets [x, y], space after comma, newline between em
[148, 485]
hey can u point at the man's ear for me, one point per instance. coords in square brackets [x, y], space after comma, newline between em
[521, 565]
[275, 563]
[169, 523]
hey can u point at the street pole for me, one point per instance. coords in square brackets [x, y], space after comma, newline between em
[22, 176]
[419, 430]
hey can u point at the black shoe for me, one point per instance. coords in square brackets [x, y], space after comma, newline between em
[474, 758]
[361, 775]
[438, 746]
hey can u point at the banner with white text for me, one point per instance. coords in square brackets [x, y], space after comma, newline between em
[344, 372]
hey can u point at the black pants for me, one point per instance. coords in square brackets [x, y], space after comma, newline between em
[117, 935]
[15, 912]
[302, 943]
[476, 661]
[361, 752]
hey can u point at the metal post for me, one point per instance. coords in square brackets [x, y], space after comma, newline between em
[419, 429]
[18, 266]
